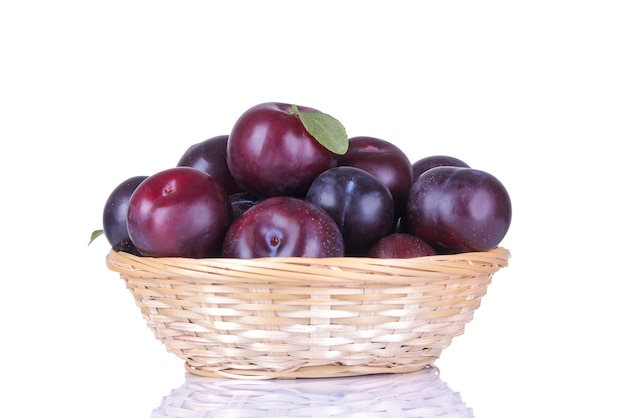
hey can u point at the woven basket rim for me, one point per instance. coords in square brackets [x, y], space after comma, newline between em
[338, 270]
[500, 252]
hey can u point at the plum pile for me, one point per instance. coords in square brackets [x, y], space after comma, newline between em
[288, 181]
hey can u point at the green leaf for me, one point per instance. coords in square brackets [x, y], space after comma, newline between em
[327, 130]
[95, 234]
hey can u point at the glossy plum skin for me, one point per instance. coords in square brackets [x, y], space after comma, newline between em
[432, 161]
[358, 201]
[114, 215]
[209, 156]
[401, 245]
[283, 226]
[179, 212]
[270, 153]
[385, 161]
[459, 209]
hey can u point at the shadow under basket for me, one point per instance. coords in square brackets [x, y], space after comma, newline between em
[282, 318]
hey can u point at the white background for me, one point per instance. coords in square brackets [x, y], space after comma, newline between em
[534, 92]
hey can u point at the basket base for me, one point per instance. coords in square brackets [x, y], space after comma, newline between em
[309, 372]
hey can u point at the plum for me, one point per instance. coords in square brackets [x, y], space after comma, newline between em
[459, 209]
[271, 153]
[384, 160]
[179, 212]
[401, 245]
[360, 204]
[283, 226]
[114, 223]
[209, 156]
[241, 202]
[433, 161]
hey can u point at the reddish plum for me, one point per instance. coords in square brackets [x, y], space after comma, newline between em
[401, 245]
[283, 226]
[270, 152]
[179, 212]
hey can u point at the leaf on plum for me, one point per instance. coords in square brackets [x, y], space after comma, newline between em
[326, 129]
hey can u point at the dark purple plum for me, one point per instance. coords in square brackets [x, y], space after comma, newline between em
[241, 202]
[114, 216]
[360, 204]
[270, 153]
[179, 212]
[209, 156]
[401, 245]
[459, 209]
[432, 161]
[385, 161]
[283, 226]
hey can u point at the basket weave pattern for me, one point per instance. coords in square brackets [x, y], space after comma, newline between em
[307, 317]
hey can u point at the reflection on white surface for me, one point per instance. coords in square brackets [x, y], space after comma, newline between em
[419, 394]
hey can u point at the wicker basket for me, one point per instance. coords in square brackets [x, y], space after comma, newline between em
[419, 394]
[307, 317]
